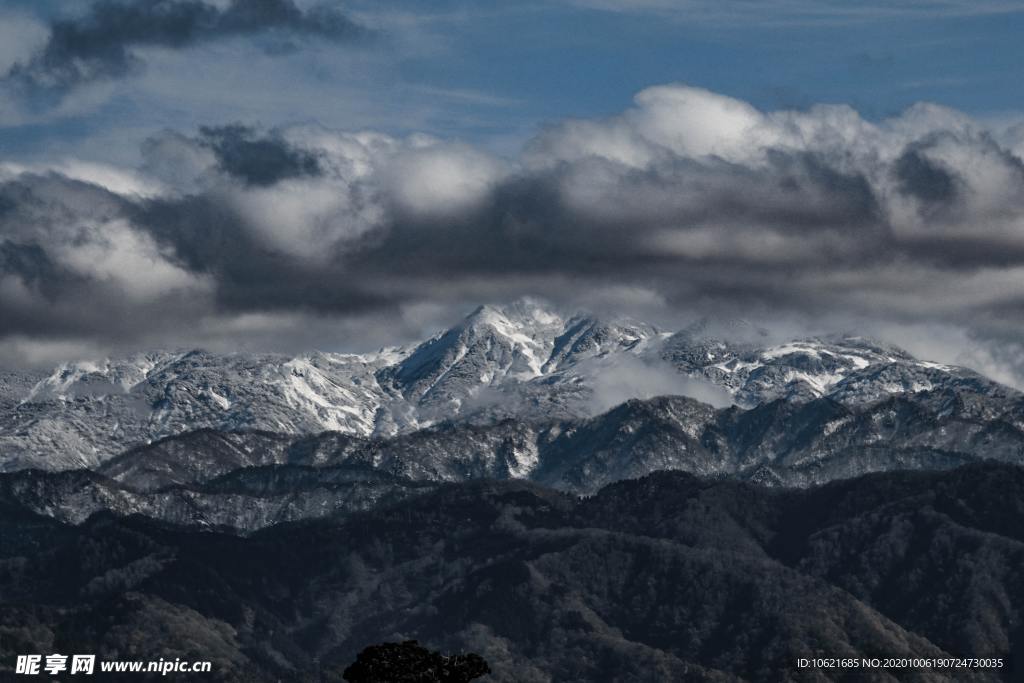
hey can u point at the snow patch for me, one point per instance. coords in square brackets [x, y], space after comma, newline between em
[222, 401]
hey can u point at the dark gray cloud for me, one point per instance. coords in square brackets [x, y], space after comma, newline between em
[688, 203]
[205, 237]
[924, 179]
[102, 43]
[257, 159]
[71, 267]
[31, 264]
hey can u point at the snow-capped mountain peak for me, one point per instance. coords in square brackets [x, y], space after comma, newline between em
[522, 360]
[491, 345]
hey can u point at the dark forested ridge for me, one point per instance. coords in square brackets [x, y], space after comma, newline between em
[252, 480]
[665, 578]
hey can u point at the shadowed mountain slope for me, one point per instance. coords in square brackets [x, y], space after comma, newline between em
[669, 577]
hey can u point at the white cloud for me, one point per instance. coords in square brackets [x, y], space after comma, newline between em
[306, 218]
[436, 179]
[365, 178]
[689, 202]
[117, 253]
[629, 378]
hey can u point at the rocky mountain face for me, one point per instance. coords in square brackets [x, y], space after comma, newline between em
[520, 361]
[669, 577]
[248, 480]
[782, 442]
[86, 413]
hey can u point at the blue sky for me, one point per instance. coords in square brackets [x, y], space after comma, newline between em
[493, 73]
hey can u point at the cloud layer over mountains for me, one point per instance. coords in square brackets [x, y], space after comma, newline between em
[687, 202]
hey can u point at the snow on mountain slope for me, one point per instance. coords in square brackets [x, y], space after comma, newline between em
[522, 360]
[848, 369]
[490, 346]
[584, 337]
[86, 413]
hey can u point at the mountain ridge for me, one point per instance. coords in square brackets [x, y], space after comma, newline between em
[667, 577]
[248, 480]
[521, 361]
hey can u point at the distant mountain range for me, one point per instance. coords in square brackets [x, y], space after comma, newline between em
[522, 362]
[248, 441]
[250, 480]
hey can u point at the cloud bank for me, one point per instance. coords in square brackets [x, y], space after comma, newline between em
[688, 202]
[105, 42]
